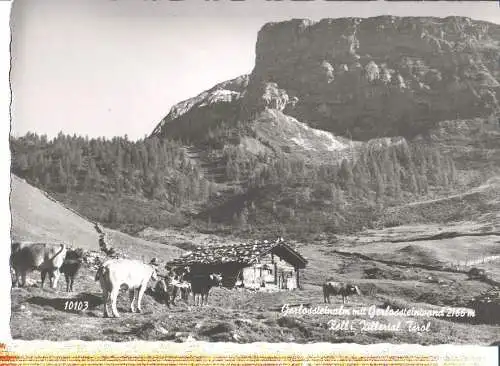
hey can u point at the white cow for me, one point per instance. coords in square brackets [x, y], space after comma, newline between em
[117, 272]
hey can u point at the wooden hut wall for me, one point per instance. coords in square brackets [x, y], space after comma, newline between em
[285, 275]
[270, 270]
[229, 271]
[262, 271]
[251, 277]
[230, 274]
[279, 267]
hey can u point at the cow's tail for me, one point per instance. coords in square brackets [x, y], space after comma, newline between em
[63, 247]
[61, 250]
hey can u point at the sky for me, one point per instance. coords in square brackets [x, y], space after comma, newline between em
[110, 68]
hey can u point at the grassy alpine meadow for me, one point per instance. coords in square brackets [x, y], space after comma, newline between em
[243, 315]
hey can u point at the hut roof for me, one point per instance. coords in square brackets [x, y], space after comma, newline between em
[240, 253]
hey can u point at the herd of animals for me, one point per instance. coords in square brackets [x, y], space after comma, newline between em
[112, 274]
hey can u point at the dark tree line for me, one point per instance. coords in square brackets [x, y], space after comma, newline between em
[150, 168]
[313, 197]
[387, 173]
[150, 181]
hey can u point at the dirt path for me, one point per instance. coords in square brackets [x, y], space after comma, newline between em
[492, 183]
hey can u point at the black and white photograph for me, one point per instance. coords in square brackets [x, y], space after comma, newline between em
[255, 171]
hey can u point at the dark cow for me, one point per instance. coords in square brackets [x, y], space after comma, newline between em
[476, 274]
[339, 288]
[46, 257]
[201, 283]
[70, 267]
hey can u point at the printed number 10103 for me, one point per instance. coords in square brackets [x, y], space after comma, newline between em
[76, 305]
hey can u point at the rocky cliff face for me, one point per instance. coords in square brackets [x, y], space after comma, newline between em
[359, 78]
[381, 76]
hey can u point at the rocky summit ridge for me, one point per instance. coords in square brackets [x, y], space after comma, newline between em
[360, 78]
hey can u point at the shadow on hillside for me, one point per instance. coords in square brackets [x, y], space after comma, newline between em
[83, 301]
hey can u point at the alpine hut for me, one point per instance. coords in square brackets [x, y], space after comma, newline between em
[262, 264]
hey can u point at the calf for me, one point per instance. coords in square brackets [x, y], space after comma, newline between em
[183, 285]
[166, 290]
[117, 272]
[70, 267]
[26, 257]
[185, 289]
[201, 285]
[339, 288]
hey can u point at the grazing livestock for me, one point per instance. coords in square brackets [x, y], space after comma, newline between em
[339, 288]
[165, 290]
[185, 289]
[117, 272]
[476, 274]
[201, 283]
[70, 267]
[26, 257]
[182, 284]
[174, 282]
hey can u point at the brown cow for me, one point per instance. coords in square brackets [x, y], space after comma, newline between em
[71, 266]
[339, 288]
[26, 257]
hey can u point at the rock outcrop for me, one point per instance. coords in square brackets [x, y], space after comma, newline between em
[206, 104]
[381, 76]
[362, 78]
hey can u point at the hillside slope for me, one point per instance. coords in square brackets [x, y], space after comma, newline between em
[480, 204]
[35, 216]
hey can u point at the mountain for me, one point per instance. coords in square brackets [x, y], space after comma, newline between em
[211, 105]
[340, 122]
[381, 76]
[373, 77]
[348, 90]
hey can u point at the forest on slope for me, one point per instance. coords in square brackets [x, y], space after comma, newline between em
[131, 185]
